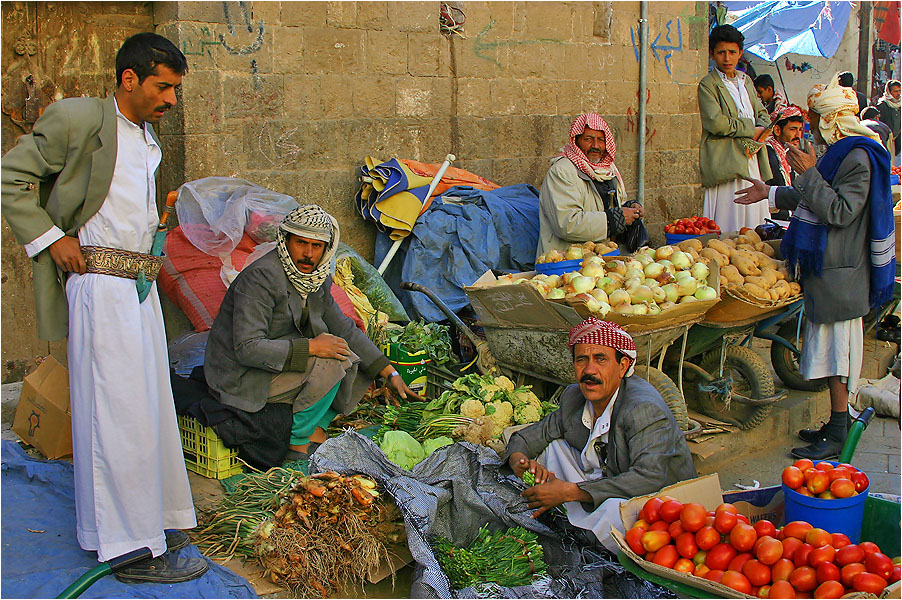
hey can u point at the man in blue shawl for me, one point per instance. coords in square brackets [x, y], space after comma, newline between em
[840, 245]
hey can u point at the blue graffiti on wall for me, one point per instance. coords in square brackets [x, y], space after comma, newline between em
[667, 49]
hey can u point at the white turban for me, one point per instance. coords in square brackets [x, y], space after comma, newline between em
[837, 107]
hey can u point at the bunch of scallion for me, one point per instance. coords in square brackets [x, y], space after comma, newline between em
[509, 558]
[400, 418]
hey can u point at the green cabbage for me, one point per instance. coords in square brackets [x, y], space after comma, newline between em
[402, 449]
[433, 444]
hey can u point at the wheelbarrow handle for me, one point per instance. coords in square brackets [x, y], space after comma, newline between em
[113, 565]
[416, 287]
[859, 424]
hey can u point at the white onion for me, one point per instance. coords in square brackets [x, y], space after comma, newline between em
[645, 259]
[632, 273]
[625, 309]
[667, 305]
[653, 269]
[599, 294]
[668, 266]
[640, 309]
[607, 284]
[540, 277]
[603, 308]
[582, 284]
[541, 259]
[593, 260]
[569, 277]
[592, 270]
[659, 294]
[573, 253]
[686, 299]
[555, 294]
[682, 275]
[641, 293]
[700, 271]
[663, 252]
[654, 309]
[686, 286]
[631, 284]
[670, 290]
[652, 283]
[615, 266]
[554, 256]
[632, 263]
[618, 297]
[649, 251]
[553, 281]
[681, 260]
[705, 293]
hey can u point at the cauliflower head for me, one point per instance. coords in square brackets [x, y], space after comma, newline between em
[527, 413]
[504, 383]
[472, 408]
[503, 415]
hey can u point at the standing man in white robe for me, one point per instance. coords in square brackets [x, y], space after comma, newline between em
[79, 194]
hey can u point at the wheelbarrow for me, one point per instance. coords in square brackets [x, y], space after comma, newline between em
[728, 379]
[541, 355]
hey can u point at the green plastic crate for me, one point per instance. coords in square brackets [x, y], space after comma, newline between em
[439, 379]
[205, 454]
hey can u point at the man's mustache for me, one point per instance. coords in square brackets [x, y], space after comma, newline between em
[599, 150]
[590, 379]
[306, 262]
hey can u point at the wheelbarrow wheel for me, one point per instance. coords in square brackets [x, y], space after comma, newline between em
[669, 391]
[786, 363]
[750, 378]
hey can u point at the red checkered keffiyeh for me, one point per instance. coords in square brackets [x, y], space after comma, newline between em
[604, 333]
[777, 145]
[603, 171]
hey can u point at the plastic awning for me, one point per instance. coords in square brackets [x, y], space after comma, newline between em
[779, 27]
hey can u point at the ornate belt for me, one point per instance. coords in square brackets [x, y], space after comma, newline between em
[121, 263]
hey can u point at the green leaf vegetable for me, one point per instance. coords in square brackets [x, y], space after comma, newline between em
[418, 336]
[509, 558]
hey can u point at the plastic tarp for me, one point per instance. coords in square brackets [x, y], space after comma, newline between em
[779, 27]
[41, 556]
[460, 488]
[464, 233]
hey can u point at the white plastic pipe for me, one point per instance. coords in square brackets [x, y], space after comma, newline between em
[434, 184]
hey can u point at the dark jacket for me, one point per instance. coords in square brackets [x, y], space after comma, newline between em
[646, 449]
[259, 327]
[841, 292]
[890, 116]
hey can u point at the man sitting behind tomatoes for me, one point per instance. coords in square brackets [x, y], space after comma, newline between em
[692, 226]
[612, 438]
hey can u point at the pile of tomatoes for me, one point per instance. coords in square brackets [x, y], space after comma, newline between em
[796, 561]
[692, 226]
[823, 480]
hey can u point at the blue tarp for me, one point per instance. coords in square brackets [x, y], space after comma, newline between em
[463, 234]
[39, 495]
[779, 27]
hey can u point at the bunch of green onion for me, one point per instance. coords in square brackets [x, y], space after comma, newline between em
[509, 558]
[400, 418]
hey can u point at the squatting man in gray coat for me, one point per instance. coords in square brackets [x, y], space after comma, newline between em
[612, 438]
[280, 337]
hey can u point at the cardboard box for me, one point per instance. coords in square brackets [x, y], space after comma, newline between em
[703, 490]
[42, 415]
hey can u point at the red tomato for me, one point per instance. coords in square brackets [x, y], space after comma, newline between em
[737, 581]
[849, 571]
[707, 537]
[879, 564]
[667, 556]
[686, 546]
[757, 572]
[827, 572]
[739, 560]
[692, 517]
[790, 545]
[868, 582]
[653, 541]
[670, 510]
[782, 569]
[829, 589]
[897, 574]
[820, 555]
[839, 540]
[720, 556]
[869, 547]
[769, 551]
[797, 529]
[861, 481]
[793, 477]
[634, 540]
[847, 555]
[659, 526]
[652, 509]
[724, 521]
[842, 488]
[800, 557]
[714, 575]
[782, 589]
[803, 579]
[680, 230]
[675, 529]
[765, 528]
[743, 537]
[684, 565]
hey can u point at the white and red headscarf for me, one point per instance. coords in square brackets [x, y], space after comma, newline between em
[838, 109]
[604, 170]
[783, 113]
[604, 333]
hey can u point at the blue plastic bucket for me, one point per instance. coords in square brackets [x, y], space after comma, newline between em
[839, 515]
[565, 266]
[676, 238]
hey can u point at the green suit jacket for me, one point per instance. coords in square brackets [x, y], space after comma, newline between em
[59, 175]
[721, 154]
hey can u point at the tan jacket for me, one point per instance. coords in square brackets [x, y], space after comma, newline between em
[59, 175]
[721, 155]
[570, 208]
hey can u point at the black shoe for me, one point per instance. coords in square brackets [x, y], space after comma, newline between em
[167, 568]
[820, 450]
[812, 436]
[176, 540]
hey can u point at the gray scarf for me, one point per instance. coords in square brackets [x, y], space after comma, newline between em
[312, 222]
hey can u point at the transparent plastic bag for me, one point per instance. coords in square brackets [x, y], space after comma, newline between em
[214, 213]
[370, 282]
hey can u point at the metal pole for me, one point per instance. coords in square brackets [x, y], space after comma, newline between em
[643, 94]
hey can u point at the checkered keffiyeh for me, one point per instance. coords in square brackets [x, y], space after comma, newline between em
[603, 171]
[312, 222]
[777, 145]
[604, 333]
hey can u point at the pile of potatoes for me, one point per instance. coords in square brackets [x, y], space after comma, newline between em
[747, 262]
[577, 252]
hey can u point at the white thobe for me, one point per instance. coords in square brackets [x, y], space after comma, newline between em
[719, 200]
[832, 349]
[130, 477]
[567, 464]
